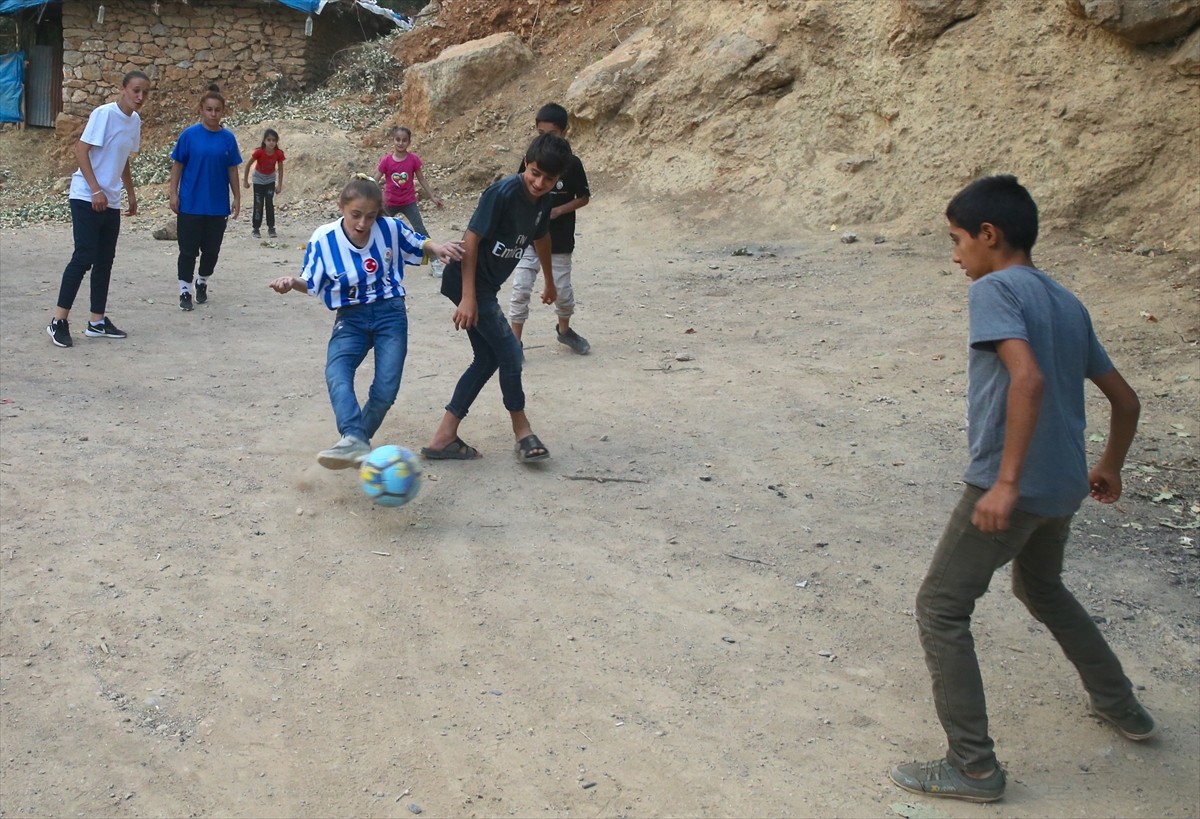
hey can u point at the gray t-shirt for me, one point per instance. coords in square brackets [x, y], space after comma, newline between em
[1025, 303]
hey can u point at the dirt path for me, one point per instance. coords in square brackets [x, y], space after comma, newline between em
[199, 620]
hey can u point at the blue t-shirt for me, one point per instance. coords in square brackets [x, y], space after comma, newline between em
[507, 221]
[206, 157]
[1024, 303]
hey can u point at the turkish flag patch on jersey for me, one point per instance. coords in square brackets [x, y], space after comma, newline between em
[370, 266]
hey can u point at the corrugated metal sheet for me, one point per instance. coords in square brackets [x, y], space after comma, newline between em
[43, 86]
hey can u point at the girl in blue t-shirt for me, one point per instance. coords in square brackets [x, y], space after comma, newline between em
[203, 174]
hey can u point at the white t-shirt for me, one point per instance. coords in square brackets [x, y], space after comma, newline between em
[112, 137]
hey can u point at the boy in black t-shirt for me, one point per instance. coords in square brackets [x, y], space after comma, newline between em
[510, 215]
[569, 195]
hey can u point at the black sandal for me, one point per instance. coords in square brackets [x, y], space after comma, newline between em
[530, 449]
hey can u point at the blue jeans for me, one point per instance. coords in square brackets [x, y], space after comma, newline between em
[95, 247]
[384, 326]
[496, 348]
[959, 574]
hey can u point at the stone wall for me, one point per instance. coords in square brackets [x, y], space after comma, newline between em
[239, 44]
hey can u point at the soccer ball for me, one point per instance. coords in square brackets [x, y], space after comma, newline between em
[390, 475]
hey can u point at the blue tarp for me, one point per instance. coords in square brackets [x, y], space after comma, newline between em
[13, 6]
[12, 86]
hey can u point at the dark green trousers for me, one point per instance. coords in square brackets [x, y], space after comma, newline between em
[959, 574]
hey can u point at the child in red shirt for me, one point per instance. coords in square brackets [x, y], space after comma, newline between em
[267, 166]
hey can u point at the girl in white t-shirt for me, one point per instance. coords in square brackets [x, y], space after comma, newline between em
[113, 132]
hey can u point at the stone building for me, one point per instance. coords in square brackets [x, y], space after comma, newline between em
[77, 51]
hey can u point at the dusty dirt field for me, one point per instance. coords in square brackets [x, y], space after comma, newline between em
[198, 620]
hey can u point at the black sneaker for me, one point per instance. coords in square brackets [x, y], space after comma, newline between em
[940, 778]
[103, 329]
[201, 292]
[576, 342]
[185, 301]
[255, 233]
[59, 332]
[271, 234]
[1135, 722]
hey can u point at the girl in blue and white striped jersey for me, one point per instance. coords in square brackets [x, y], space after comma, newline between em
[356, 266]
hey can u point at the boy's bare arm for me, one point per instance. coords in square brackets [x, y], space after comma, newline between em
[1105, 477]
[1025, 388]
[542, 248]
[467, 313]
[569, 207]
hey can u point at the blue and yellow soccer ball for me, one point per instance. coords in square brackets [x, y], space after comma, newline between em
[390, 475]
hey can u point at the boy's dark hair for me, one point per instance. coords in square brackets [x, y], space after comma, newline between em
[553, 113]
[1001, 201]
[551, 153]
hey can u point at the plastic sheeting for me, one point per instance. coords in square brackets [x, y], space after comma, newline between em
[12, 86]
[13, 6]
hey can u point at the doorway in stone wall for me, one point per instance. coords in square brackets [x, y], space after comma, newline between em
[40, 35]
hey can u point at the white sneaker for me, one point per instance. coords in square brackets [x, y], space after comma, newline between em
[344, 454]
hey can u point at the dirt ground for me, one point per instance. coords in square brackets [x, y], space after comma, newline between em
[701, 605]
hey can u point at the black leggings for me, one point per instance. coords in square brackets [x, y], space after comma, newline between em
[199, 236]
[95, 247]
[264, 197]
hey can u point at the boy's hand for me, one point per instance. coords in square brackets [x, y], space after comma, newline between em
[246, 184]
[466, 316]
[549, 293]
[281, 285]
[1105, 484]
[994, 507]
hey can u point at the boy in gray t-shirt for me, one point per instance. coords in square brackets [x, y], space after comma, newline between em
[1031, 349]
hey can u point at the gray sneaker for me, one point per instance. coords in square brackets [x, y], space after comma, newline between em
[344, 454]
[939, 778]
[1135, 722]
[576, 342]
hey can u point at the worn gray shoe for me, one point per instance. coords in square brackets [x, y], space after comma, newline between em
[1135, 722]
[939, 778]
[576, 342]
[344, 454]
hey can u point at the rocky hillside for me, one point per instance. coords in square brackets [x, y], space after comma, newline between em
[769, 116]
[811, 113]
